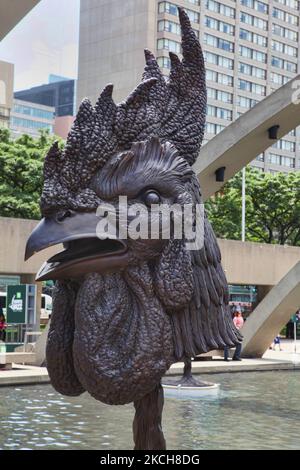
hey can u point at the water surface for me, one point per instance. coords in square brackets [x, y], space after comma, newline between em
[258, 410]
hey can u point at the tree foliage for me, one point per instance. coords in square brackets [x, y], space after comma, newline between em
[272, 208]
[21, 181]
[272, 200]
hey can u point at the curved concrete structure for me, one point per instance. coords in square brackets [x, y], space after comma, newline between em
[259, 264]
[273, 312]
[247, 137]
[11, 12]
[244, 263]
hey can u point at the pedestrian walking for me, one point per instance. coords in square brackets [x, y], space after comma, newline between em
[238, 323]
[277, 341]
[2, 327]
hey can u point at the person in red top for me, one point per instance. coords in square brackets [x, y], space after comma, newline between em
[238, 322]
[2, 327]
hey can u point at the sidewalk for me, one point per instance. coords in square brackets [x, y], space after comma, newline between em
[287, 346]
[271, 361]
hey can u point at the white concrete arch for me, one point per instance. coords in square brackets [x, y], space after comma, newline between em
[247, 137]
[273, 312]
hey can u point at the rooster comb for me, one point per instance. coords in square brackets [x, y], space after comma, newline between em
[171, 109]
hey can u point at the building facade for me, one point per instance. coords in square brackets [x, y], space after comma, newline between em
[62, 126]
[251, 48]
[30, 118]
[57, 94]
[6, 92]
[11, 12]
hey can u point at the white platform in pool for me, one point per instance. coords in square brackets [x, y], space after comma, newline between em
[180, 391]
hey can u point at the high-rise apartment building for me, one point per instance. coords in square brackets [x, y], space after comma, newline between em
[251, 48]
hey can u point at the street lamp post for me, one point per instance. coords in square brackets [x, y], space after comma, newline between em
[243, 204]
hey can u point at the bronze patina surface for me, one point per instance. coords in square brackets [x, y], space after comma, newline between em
[125, 310]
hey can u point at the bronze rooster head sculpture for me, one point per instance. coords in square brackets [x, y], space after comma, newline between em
[125, 309]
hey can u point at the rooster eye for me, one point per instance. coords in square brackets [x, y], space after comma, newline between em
[61, 216]
[151, 197]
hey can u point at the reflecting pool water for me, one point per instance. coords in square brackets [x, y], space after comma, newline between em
[253, 411]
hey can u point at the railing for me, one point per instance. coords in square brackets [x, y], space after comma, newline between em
[19, 332]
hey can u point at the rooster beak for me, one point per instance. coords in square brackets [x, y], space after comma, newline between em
[84, 251]
[52, 230]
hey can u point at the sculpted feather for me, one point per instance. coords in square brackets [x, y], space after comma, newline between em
[126, 309]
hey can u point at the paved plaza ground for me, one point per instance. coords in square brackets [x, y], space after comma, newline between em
[272, 360]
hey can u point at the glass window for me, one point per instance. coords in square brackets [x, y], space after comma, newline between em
[167, 7]
[289, 3]
[169, 45]
[220, 113]
[253, 54]
[225, 62]
[284, 48]
[244, 85]
[217, 77]
[252, 87]
[257, 72]
[164, 62]
[285, 16]
[219, 60]
[170, 26]
[221, 26]
[274, 159]
[281, 160]
[287, 161]
[212, 128]
[259, 56]
[283, 144]
[171, 8]
[211, 58]
[254, 38]
[290, 50]
[219, 95]
[278, 79]
[29, 124]
[256, 5]
[284, 64]
[31, 111]
[218, 43]
[218, 7]
[254, 21]
[285, 32]
[258, 89]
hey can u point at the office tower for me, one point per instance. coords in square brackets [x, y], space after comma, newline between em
[251, 48]
[58, 93]
[30, 118]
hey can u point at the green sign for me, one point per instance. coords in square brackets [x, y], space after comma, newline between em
[16, 304]
[295, 318]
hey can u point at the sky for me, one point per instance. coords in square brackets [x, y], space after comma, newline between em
[44, 42]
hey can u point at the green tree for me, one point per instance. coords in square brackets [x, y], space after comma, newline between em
[21, 181]
[272, 208]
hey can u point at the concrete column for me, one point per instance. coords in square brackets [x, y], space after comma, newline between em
[30, 279]
[262, 291]
[272, 314]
